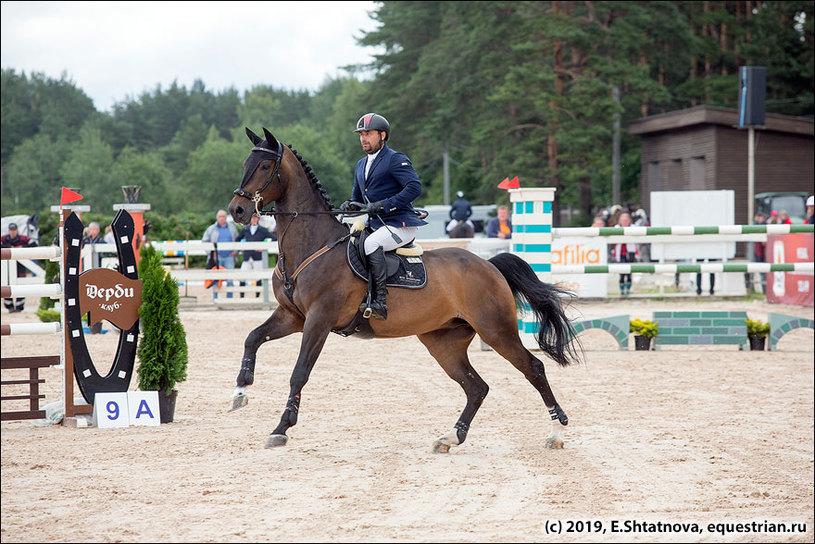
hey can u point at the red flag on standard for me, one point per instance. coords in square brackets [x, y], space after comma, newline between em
[510, 184]
[69, 196]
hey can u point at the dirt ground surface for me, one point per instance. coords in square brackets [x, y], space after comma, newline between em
[657, 441]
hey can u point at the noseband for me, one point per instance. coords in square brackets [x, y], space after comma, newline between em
[256, 198]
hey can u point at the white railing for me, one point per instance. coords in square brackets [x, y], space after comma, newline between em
[484, 247]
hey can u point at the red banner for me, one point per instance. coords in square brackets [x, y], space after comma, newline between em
[790, 287]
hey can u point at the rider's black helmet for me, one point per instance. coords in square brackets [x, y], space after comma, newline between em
[373, 121]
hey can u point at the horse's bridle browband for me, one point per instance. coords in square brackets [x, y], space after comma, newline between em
[256, 198]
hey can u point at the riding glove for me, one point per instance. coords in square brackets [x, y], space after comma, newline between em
[375, 207]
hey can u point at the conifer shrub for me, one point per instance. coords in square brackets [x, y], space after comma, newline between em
[162, 350]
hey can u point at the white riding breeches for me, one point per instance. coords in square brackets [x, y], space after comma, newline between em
[382, 237]
[453, 222]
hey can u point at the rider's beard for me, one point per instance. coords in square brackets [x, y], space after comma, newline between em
[369, 148]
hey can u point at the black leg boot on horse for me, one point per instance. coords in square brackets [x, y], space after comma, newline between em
[379, 274]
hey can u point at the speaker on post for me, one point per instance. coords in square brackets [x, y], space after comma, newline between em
[752, 91]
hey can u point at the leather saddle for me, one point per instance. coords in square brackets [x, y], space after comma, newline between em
[405, 266]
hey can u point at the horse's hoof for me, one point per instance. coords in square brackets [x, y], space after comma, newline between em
[553, 444]
[277, 440]
[239, 402]
[440, 447]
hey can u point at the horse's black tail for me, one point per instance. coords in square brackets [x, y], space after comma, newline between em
[556, 334]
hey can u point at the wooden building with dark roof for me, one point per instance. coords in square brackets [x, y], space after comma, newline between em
[702, 148]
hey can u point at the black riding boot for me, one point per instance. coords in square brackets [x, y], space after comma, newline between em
[379, 273]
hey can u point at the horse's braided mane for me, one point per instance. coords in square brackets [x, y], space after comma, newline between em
[312, 178]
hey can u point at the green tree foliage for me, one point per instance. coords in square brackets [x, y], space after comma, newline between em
[162, 350]
[526, 88]
[39, 105]
[150, 172]
[214, 171]
[32, 177]
[89, 168]
[191, 134]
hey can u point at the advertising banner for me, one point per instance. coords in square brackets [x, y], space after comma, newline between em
[582, 251]
[790, 287]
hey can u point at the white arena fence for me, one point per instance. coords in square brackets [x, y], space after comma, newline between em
[487, 247]
[32, 364]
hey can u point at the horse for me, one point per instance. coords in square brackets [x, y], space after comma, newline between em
[467, 296]
[462, 230]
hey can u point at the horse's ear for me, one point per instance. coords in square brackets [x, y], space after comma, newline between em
[269, 138]
[252, 136]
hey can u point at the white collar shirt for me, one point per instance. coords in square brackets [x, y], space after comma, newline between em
[371, 159]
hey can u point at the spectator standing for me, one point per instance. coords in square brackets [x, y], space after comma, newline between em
[614, 215]
[500, 226]
[109, 237]
[640, 219]
[810, 216]
[11, 240]
[784, 218]
[92, 236]
[759, 250]
[253, 259]
[624, 253]
[219, 232]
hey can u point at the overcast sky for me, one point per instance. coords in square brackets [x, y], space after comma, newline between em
[117, 50]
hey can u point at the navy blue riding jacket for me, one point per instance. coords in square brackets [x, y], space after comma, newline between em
[393, 181]
[461, 210]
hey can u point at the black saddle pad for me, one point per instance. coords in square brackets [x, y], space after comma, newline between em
[403, 271]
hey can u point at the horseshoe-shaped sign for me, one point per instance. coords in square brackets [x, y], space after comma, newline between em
[107, 294]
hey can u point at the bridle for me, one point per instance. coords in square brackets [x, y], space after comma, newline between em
[277, 156]
[256, 198]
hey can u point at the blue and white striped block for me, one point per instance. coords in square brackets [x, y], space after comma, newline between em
[532, 241]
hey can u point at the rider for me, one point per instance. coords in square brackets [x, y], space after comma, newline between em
[460, 210]
[387, 183]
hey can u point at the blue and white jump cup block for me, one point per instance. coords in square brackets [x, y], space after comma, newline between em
[532, 242]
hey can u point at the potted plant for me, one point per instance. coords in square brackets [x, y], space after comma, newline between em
[162, 350]
[643, 330]
[757, 332]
